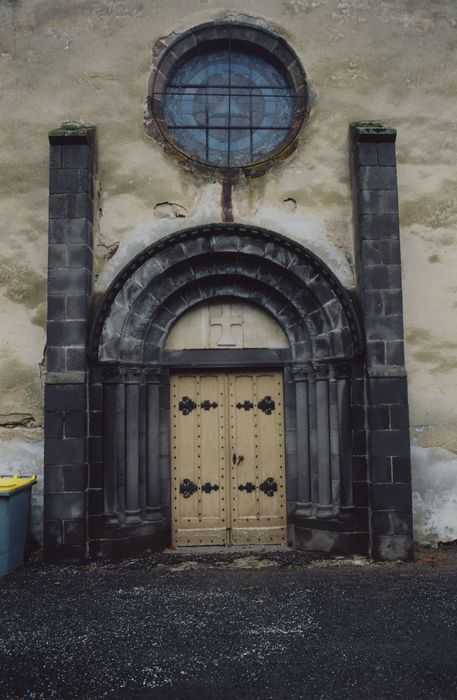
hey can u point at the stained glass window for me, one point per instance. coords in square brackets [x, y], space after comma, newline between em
[228, 108]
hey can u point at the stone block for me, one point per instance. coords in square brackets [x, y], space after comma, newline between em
[70, 231]
[96, 397]
[75, 477]
[79, 256]
[66, 332]
[96, 423]
[387, 390]
[56, 360]
[395, 354]
[53, 424]
[74, 532]
[399, 417]
[384, 328]
[379, 417]
[383, 522]
[377, 226]
[96, 501]
[389, 442]
[53, 479]
[64, 397]
[386, 154]
[401, 470]
[70, 206]
[97, 472]
[56, 307]
[65, 506]
[76, 358]
[67, 180]
[381, 251]
[388, 202]
[76, 156]
[375, 277]
[69, 281]
[374, 177]
[366, 153]
[52, 533]
[96, 448]
[392, 497]
[359, 442]
[376, 352]
[359, 468]
[55, 156]
[75, 424]
[392, 547]
[393, 303]
[77, 306]
[57, 255]
[373, 301]
[381, 470]
[68, 451]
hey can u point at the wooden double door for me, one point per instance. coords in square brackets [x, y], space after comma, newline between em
[227, 454]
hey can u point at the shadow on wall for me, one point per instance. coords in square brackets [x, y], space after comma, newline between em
[434, 484]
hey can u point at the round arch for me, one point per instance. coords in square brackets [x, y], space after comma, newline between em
[252, 264]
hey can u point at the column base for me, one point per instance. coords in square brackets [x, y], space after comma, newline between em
[132, 517]
[324, 511]
[303, 510]
[153, 514]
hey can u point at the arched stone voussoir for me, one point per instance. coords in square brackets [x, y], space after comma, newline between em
[267, 299]
[183, 263]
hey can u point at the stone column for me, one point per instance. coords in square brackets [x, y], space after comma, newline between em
[378, 272]
[71, 185]
[132, 381]
[324, 507]
[153, 501]
[304, 506]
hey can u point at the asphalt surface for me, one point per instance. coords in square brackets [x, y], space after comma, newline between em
[279, 625]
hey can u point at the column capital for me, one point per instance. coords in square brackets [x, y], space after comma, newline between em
[300, 373]
[72, 133]
[372, 131]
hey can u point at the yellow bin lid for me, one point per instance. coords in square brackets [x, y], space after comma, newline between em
[10, 484]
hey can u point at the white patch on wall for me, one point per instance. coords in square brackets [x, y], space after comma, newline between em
[23, 455]
[167, 218]
[434, 484]
[309, 231]
[148, 231]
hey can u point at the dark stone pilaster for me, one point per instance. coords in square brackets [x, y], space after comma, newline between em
[378, 271]
[70, 254]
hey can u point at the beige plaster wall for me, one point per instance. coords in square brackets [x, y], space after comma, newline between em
[389, 60]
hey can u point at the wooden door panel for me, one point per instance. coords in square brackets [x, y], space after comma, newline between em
[228, 458]
[270, 431]
[258, 490]
[242, 444]
[198, 456]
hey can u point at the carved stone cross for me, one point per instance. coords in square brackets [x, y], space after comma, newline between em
[226, 320]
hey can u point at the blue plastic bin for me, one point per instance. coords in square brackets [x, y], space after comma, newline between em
[15, 494]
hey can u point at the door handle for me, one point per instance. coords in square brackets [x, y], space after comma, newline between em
[235, 461]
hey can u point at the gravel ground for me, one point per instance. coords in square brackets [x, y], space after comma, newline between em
[241, 626]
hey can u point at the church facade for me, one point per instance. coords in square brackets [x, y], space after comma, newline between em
[234, 353]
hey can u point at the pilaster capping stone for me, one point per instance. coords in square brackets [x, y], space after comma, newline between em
[300, 373]
[386, 371]
[321, 371]
[131, 375]
[66, 377]
[72, 133]
[110, 373]
[372, 131]
[152, 375]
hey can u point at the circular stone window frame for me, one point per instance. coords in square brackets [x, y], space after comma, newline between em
[209, 36]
